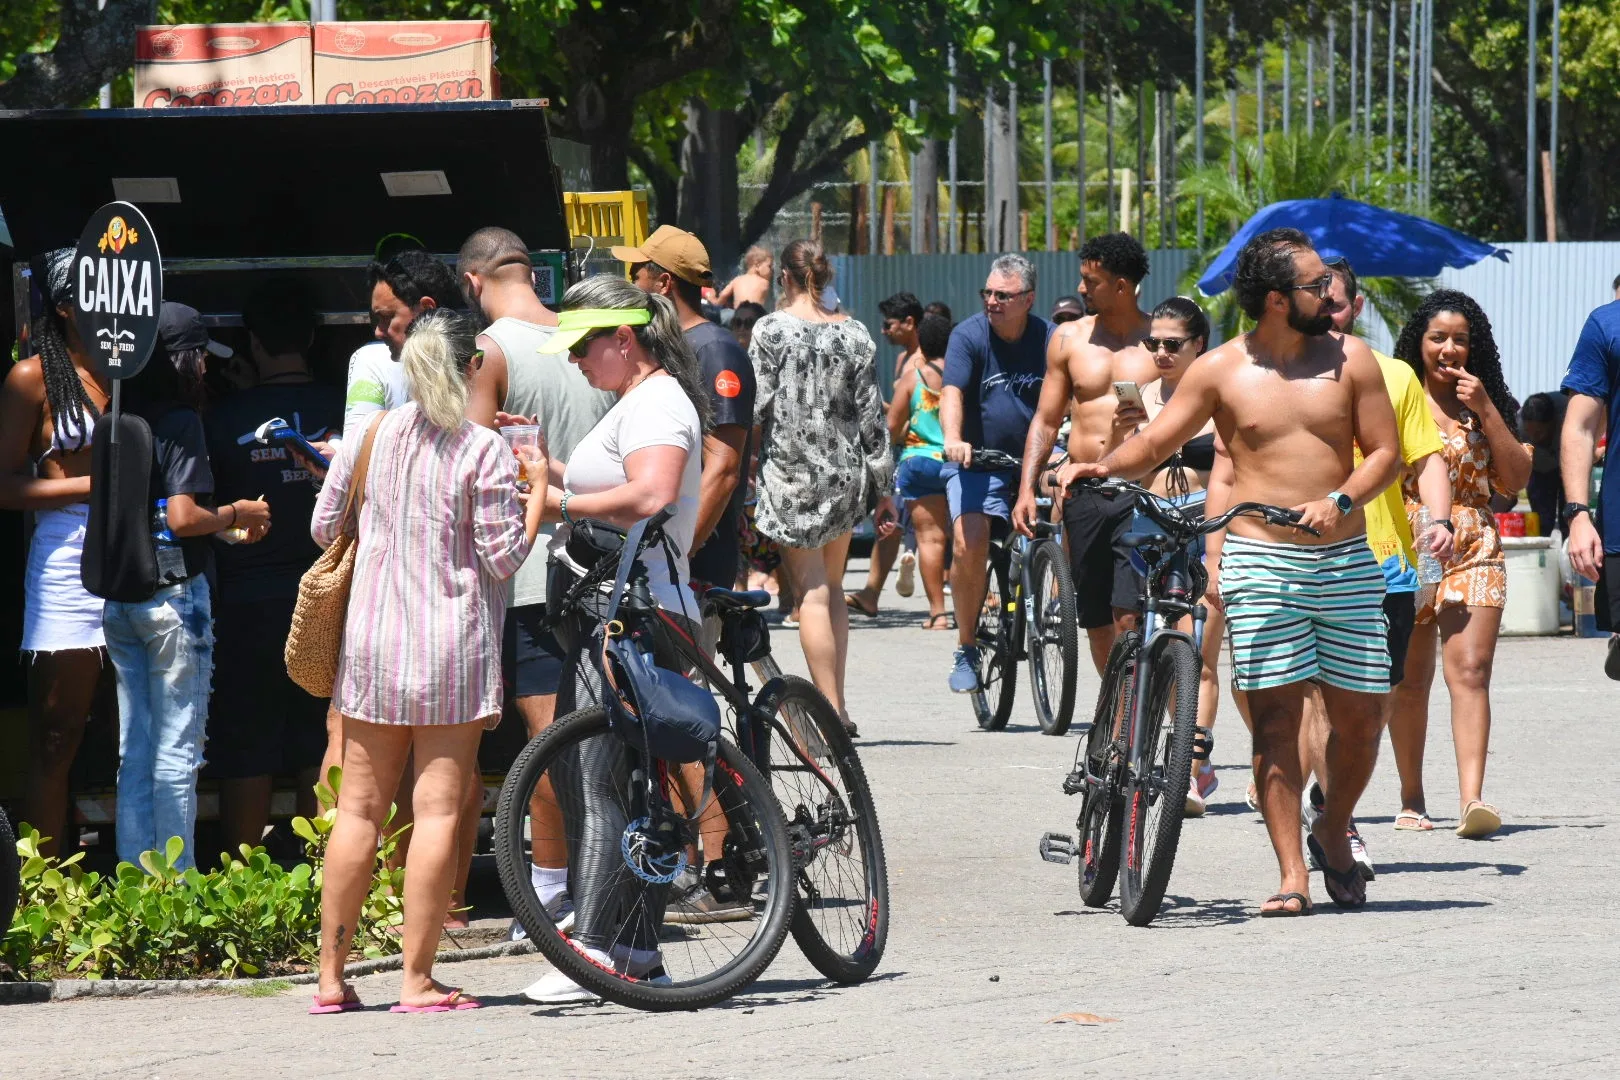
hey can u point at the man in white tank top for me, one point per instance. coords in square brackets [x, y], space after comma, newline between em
[497, 278]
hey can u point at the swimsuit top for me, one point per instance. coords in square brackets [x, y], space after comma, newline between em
[924, 435]
[1197, 454]
[70, 442]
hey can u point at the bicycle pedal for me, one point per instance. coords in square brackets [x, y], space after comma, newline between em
[1075, 782]
[1203, 743]
[1058, 848]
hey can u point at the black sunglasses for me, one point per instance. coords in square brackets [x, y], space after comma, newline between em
[1168, 344]
[1321, 286]
[579, 348]
[1002, 297]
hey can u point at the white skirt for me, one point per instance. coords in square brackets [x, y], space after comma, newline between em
[59, 612]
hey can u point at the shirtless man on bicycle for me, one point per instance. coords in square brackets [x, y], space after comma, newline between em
[1290, 400]
[1083, 361]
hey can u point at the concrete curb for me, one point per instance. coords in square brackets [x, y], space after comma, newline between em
[65, 989]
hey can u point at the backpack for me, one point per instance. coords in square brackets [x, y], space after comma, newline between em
[120, 557]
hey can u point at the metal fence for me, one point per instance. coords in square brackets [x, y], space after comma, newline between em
[1537, 302]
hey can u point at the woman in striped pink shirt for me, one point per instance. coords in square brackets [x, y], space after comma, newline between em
[441, 529]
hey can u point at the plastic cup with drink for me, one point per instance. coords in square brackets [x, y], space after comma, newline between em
[521, 437]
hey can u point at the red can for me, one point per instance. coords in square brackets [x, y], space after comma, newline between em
[1510, 524]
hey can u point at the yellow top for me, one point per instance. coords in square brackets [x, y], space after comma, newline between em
[1389, 534]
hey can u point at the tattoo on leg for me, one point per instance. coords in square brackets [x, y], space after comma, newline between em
[339, 939]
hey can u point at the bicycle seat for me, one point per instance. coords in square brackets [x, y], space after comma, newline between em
[1145, 540]
[734, 600]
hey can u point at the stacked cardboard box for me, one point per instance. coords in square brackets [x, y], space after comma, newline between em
[231, 64]
[379, 63]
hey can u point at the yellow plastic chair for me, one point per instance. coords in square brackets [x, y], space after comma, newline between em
[606, 218]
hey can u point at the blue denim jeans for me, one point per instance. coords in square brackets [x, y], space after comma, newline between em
[163, 651]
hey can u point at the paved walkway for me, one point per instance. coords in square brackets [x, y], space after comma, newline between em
[1471, 958]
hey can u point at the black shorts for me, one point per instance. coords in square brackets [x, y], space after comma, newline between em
[1607, 596]
[1400, 612]
[260, 722]
[1104, 579]
[531, 658]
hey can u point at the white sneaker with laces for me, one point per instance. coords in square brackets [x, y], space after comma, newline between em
[555, 988]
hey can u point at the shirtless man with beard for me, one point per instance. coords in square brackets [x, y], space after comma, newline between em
[1291, 401]
[1083, 361]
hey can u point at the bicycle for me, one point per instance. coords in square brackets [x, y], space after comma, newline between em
[1134, 767]
[701, 960]
[10, 873]
[1033, 620]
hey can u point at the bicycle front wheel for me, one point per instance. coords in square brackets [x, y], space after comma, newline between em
[644, 934]
[998, 651]
[841, 919]
[1054, 645]
[1101, 804]
[1156, 798]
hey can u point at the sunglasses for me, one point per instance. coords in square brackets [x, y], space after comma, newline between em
[1168, 344]
[579, 348]
[1321, 286]
[1002, 297]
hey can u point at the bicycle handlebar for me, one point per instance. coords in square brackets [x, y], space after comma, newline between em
[1169, 516]
[988, 459]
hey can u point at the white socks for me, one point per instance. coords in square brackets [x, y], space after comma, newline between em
[549, 883]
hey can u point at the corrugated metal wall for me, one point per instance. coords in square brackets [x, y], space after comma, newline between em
[1537, 302]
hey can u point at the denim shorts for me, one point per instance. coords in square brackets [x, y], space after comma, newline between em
[919, 477]
[971, 492]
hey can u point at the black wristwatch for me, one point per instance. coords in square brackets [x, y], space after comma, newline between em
[1573, 509]
[1445, 523]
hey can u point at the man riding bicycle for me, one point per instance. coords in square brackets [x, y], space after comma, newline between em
[993, 369]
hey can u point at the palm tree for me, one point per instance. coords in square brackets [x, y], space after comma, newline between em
[1295, 166]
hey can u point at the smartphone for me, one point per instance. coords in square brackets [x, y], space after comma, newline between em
[277, 432]
[1129, 394]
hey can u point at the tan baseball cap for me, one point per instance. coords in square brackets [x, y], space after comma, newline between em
[676, 250]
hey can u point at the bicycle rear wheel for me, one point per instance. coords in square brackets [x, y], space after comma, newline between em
[841, 920]
[650, 946]
[1155, 799]
[1101, 805]
[998, 652]
[1054, 645]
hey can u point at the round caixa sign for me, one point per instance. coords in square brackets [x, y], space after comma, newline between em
[118, 276]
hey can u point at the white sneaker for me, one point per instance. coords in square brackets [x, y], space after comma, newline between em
[555, 988]
[561, 911]
[906, 583]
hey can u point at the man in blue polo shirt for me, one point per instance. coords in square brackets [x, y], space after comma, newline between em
[1593, 386]
[994, 365]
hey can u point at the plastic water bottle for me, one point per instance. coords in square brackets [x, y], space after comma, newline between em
[1428, 568]
[171, 561]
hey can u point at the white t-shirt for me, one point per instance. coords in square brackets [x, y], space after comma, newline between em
[376, 384]
[655, 413]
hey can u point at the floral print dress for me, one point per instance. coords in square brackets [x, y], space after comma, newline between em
[1476, 573]
[824, 442]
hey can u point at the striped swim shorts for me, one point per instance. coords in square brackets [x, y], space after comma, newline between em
[1298, 612]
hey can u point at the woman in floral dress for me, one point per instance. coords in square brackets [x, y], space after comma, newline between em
[1448, 342]
[824, 453]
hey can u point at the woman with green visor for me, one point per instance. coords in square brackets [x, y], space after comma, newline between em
[643, 455]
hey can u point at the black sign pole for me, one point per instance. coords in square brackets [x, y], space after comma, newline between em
[119, 276]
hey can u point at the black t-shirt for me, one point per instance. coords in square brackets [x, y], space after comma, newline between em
[728, 375]
[180, 467]
[246, 469]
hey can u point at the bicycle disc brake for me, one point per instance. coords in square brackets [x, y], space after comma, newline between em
[655, 853]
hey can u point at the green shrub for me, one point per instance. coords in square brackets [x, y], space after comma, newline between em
[249, 917]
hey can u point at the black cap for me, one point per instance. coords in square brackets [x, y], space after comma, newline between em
[180, 327]
[1067, 308]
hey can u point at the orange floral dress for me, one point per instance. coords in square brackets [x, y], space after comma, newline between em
[1476, 574]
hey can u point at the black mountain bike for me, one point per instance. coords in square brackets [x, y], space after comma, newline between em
[1033, 619]
[1134, 767]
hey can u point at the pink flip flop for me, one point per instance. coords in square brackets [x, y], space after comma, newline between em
[346, 1005]
[451, 1002]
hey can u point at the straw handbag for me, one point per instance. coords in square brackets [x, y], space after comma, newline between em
[323, 593]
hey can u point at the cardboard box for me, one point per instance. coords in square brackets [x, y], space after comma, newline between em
[405, 63]
[201, 64]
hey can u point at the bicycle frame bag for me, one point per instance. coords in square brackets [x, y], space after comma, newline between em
[674, 718]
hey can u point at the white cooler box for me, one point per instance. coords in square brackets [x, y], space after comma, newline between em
[1533, 585]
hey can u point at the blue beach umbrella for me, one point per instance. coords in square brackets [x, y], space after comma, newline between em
[1378, 242]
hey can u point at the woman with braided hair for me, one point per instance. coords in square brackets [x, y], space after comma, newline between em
[48, 407]
[1449, 345]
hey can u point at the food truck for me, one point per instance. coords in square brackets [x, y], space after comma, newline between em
[237, 196]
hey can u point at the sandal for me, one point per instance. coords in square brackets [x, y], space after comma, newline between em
[852, 600]
[1418, 822]
[942, 621]
[1346, 887]
[451, 1002]
[1479, 820]
[1284, 911]
[350, 1003]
